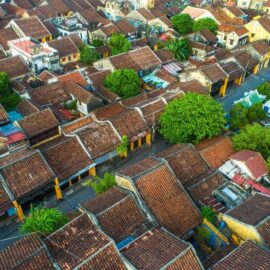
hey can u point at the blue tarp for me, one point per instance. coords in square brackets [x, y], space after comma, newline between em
[125, 242]
[8, 129]
[14, 116]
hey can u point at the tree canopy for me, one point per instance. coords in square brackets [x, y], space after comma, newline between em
[183, 23]
[8, 98]
[241, 116]
[253, 137]
[101, 185]
[180, 48]
[89, 54]
[43, 220]
[264, 89]
[118, 44]
[191, 119]
[205, 23]
[124, 82]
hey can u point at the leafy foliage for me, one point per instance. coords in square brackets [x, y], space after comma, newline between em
[118, 44]
[253, 137]
[180, 48]
[43, 220]
[208, 214]
[124, 82]
[205, 23]
[8, 98]
[89, 55]
[101, 185]
[97, 43]
[183, 23]
[123, 147]
[71, 105]
[264, 89]
[202, 235]
[191, 119]
[240, 116]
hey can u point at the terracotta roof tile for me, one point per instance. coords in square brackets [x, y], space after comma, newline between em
[190, 86]
[185, 162]
[129, 123]
[245, 59]
[26, 175]
[248, 256]
[133, 101]
[59, 5]
[203, 185]
[117, 213]
[3, 114]
[99, 139]
[6, 35]
[165, 197]
[164, 55]
[157, 249]
[208, 35]
[74, 76]
[253, 210]
[109, 111]
[125, 27]
[38, 123]
[235, 11]
[216, 151]
[159, 11]
[32, 27]
[26, 253]
[239, 30]
[14, 67]
[264, 230]
[253, 161]
[261, 47]
[78, 124]
[233, 70]
[26, 107]
[265, 22]
[90, 248]
[146, 14]
[214, 73]
[49, 24]
[25, 4]
[165, 76]
[66, 157]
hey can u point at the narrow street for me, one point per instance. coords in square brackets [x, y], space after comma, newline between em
[236, 92]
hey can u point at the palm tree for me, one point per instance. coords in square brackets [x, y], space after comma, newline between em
[180, 48]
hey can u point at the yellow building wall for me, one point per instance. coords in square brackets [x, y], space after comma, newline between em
[124, 183]
[244, 231]
[74, 58]
[254, 27]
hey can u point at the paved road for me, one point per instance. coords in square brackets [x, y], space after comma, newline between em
[79, 193]
[236, 92]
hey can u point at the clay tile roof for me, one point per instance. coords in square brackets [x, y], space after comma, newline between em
[245, 59]
[50, 26]
[238, 29]
[254, 162]
[14, 67]
[214, 73]
[78, 124]
[64, 162]
[140, 59]
[64, 46]
[110, 29]
[109, 111]
[90, 248]
[77, 91]
[248, 256]
[194, 12]
[59, 6]
[233, 70]
[133, 101]
[236, 11]
[26, 107]
[203, 185]
[216, 151]
[129, 123]
[117, 213]
[265, 22]
[165, 76]
[3, 114]
[98, 77]
[46, 75]
[185, 162]
[166, 21]
[6, 35]
[26, 175]
[152, 110]
[190, 86]
[26, 253]
[146, 14]
[264, 230]
[159, 11]
[74, 76]
[32, 27]
[25, 4]
[164, 196]
[76, 40]
[164, 55]
[261, 47]
[38, 123]
[49, 94]
[157, 249]
[125, 27]
[267, 4]
[99, 139]
[253, 210]
[208, 35]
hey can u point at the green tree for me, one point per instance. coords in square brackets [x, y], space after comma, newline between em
[182, 23]
[264, 89]
[97, 43]
[118, 44]
[191, 119]
[238, 116]
[124, 82]
[8, 98]
[101, 185]
[180, 48]
[208, 214]
[205, 23]
[89, 54]
[123, 147]
[253, 137]
[256, 112]
[202, 235]
[43, 220]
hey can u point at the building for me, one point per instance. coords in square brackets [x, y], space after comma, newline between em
[38, 56]
[259, 29]
[198, 13]
[250, 220]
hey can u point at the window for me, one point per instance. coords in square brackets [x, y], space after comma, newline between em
[225, 38]
[64, 59]
[69, 58]
[252, 35]
[231, 41]
[74, 56]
